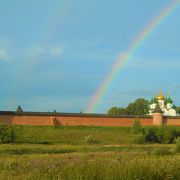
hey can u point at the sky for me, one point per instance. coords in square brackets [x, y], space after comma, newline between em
[56, 54]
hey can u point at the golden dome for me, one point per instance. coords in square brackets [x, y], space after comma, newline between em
[160, 96]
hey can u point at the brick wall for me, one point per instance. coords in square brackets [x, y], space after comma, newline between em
[70, 120]
[101, 121]
[50, 119]
[6, 119]
[33, 120]
[173, 120]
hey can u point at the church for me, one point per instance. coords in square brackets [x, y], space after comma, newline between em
[166, 105]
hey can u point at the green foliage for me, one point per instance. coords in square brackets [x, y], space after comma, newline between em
[139, 139]
[163, 134]
[137, 128]
[178, 110]
[90, 139]
[177, 142]
[154, 134]
[138, 107]
[6, 134]
[113, 111]
[117, 111]
[90, 166]
[166, 134]
[163, 151]
[138, 132]
[150, 134]
[72, 135]
[26, 149]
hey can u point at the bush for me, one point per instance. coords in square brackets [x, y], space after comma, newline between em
[6, 134]
[163, 134]
[166, 134]
[163, 151]
[177, 141]
[137, 127]
[90, 139]
[150, 134]
[139, 139]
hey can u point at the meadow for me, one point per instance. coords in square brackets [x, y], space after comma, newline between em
[72, 135]
[64, 153]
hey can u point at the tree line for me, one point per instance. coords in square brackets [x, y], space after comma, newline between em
[139, 107]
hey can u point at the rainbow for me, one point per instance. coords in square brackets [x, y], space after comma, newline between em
[134, 46]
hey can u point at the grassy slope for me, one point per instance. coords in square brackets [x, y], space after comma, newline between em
[72, 135]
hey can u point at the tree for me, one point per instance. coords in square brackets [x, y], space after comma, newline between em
[117, 111]
[137, 127]
[178, 110]
[112, 111]
[138, 107]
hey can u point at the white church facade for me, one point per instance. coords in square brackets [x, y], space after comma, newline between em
[166, 105]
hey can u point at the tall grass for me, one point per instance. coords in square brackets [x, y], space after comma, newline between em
[25, 149]
[63, 153]
[90, 166]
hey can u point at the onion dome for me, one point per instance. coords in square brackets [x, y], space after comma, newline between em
[169, 101]
[160, 96]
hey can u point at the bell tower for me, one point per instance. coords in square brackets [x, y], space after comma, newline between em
[157, 115]
[160, 98]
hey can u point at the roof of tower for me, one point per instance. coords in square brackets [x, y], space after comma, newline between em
[157, 109]
[165, 102]
[152, 100]
[160, 96]
[19, 109]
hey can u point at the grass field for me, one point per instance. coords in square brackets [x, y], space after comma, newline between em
[91, 165]
[72, 135]
[63, 153]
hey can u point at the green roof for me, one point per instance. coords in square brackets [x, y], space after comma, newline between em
[174, 107]
[169, 101]
[165, 102]
[153, 101]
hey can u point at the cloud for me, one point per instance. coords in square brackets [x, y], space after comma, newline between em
[53, 51]
[4, 55]
[7, 49]
[56, 51]
[176, 86]
[38, 50]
